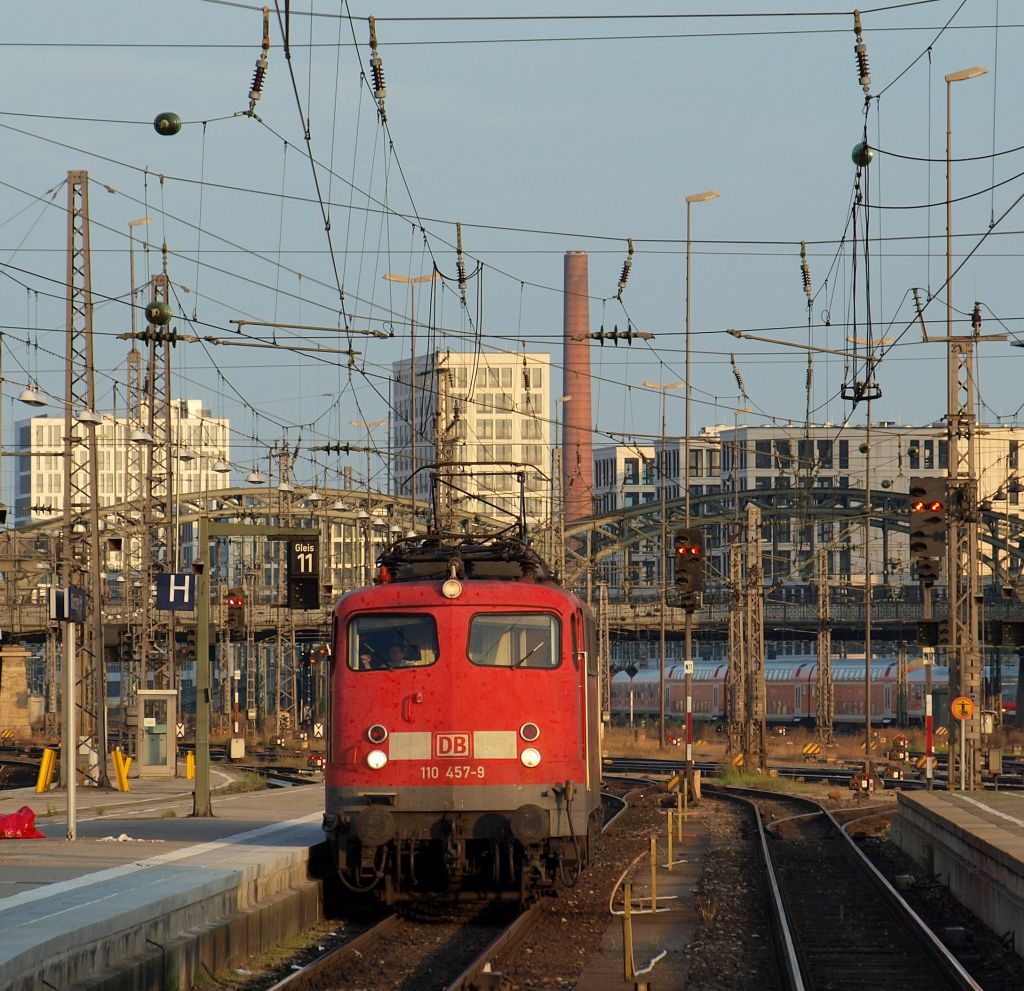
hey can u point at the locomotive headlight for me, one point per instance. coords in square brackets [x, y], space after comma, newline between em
[529, 732]
[377, 734]
[376, 759]
[452, 588]
[530, 757]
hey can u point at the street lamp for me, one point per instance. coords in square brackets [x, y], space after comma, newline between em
[952, 77]
[132, 224]
[663, 388]
[711, 194]
[412, 282]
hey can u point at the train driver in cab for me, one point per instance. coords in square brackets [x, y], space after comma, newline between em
[397, 656]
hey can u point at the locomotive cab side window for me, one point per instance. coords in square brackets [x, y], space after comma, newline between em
[515, 640]
[388, 641]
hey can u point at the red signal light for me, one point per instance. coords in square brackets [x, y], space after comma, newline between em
[935, 506]
[917, 505]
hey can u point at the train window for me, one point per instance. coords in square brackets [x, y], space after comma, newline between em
[383, 642]
[515, 640]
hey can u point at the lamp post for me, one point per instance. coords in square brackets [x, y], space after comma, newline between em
[132, 224]
[662, 387]
[412, 282]
[952, 77]
[962, 609]
[711, 194]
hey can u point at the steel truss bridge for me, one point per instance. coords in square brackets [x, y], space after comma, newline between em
[30, 558]
[605, 544]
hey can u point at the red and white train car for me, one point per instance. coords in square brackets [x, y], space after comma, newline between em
[464, 738]
[791, 687]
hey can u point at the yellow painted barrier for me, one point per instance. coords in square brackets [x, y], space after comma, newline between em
[121, 767]
[46, 767]
[190, 765]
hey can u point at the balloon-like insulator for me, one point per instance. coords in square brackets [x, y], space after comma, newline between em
[167, 124]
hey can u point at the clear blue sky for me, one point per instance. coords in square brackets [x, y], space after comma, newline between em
[540, 135]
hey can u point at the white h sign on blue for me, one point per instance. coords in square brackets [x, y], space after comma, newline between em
[176, 592]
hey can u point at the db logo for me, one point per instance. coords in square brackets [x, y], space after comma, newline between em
[451, 745]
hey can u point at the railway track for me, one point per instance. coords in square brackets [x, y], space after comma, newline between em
[840, 924]
[442, 952]
[455, 945]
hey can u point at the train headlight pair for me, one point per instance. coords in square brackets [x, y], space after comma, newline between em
[530, 757]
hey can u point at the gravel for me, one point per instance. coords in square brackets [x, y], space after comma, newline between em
[732, 948]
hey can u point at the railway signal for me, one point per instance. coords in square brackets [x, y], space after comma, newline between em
[933, 633]
[236, 613]
[1006, 633]
[689, 561]
[927, 527]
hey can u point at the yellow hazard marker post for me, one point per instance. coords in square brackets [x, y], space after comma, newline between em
[121, 766]
[46, 767]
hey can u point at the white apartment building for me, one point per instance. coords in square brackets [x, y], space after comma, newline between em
[199, 442]
[773, 458]
[496, 409]
[827, 456]
[628, 475]
[624, 475]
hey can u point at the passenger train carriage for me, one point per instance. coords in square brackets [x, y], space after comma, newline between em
[464, 733]
[792, 691]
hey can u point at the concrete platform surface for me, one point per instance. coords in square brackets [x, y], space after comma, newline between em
[974, 843]
[148, 897]
[671, 929]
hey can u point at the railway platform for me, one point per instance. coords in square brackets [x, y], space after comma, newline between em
[148, 897]
[668, 931]
[974, 843]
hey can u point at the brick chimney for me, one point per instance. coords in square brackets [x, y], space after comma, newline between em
[577, 422]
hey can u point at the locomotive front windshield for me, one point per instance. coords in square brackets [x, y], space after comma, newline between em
[383, 642]
[515, 640]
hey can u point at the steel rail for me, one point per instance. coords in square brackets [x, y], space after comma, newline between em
[921, 933]
[337, 953]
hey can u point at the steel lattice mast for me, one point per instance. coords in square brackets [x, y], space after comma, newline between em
[736, 688]
[80, 563]
[756, 749]
[157, 513]
[826, 689]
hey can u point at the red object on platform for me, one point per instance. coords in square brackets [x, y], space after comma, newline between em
[20, 825]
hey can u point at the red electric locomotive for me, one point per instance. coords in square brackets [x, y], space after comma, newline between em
[465, 725]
